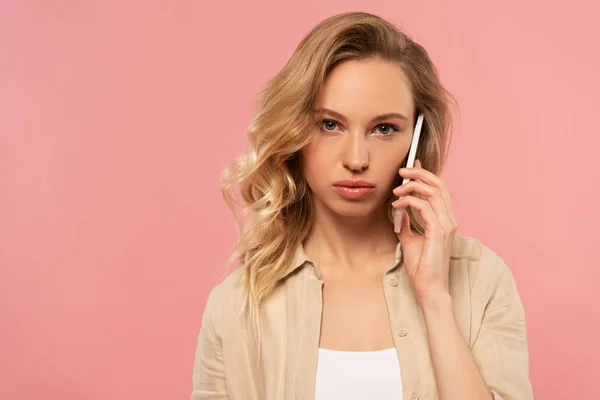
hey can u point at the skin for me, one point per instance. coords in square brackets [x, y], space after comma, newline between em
[353, 241]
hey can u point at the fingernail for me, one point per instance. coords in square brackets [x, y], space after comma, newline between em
[398, 215]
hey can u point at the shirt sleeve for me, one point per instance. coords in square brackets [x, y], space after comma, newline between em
[500, 349]
[209, 371]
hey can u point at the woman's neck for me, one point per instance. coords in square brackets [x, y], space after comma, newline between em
[350, 242]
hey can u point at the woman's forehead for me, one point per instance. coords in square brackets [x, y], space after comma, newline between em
[370, 87]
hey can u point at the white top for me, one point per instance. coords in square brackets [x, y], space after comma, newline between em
[346, 375]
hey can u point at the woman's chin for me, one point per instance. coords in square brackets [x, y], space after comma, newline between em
[355, 210]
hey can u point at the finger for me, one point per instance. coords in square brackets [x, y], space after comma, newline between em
[405, 231]
[404, 184]
[418, 172]
[432, 224]
[430, 194]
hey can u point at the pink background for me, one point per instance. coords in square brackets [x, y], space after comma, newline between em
[116, 118]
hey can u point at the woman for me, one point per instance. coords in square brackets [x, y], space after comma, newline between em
[330, 302]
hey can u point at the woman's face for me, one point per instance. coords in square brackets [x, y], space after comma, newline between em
[365, 112]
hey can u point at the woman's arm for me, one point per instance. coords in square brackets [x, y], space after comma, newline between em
[500, 349]
[209, 372]
[498, 361]
[456, 373]
[497, 365]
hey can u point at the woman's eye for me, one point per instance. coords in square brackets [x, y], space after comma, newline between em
[329, 125]
[386, 129]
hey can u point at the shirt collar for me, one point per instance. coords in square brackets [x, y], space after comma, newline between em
[461, 247]
[301, 259]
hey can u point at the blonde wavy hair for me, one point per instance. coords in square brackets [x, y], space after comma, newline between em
[277, 213]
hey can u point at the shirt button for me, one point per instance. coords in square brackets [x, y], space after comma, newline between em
[414, 396]
[402, 332]
[393, 282]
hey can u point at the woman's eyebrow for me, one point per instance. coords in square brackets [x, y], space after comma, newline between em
[341, 117]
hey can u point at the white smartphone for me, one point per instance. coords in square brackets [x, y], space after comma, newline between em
[410, 162]
[412, 152]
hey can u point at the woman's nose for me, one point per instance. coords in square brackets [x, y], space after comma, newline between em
[356, 153]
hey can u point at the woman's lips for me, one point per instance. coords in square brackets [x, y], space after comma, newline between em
[353, 190]
[353, 193]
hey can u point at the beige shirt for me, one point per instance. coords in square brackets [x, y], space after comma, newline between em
[486, 306]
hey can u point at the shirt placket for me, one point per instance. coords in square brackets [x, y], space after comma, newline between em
[408, 333]
[306, 346]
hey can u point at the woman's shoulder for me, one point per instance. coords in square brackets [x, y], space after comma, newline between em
[481, 265]
[226, 298]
